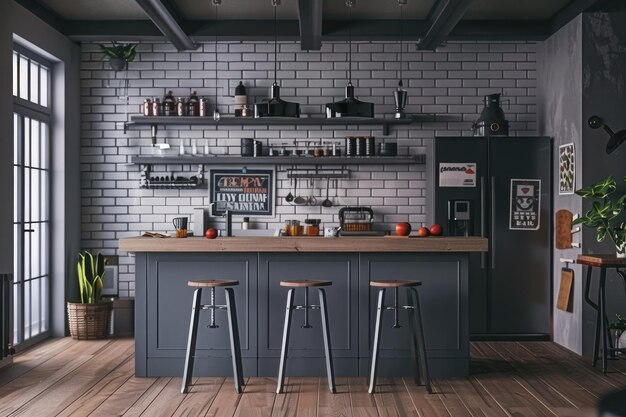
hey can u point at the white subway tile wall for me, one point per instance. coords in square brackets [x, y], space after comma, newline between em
[449, 82]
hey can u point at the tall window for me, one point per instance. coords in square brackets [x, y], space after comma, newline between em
[31, 166]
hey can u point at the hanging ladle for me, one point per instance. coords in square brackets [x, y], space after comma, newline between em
[327, 202]
[289, 197]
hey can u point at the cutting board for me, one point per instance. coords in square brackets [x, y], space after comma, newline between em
[564, 299]
[563, 229]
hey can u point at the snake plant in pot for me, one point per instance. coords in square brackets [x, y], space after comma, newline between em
[607, 214]
[91, 318]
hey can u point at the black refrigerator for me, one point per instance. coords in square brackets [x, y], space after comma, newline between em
[501, 188]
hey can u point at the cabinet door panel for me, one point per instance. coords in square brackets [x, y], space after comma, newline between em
[168, 318]
[342, 270]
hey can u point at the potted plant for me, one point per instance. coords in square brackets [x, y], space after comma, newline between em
[618, 327]
[91, 318]
[118, 55]
[607, 214]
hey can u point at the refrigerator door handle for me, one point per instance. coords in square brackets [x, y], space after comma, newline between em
[483, 255]
[492, 237]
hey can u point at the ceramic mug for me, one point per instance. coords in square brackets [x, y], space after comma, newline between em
[331, 231]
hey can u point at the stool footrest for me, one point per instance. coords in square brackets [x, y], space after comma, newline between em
[213, 307]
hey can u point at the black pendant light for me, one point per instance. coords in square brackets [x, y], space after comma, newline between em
[350, 106]
[615, 138]
[216, 112]
[275, 106]
[400, 94]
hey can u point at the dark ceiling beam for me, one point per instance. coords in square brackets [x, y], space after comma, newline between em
[43, 12]
[334, 30]
[576, 7]
[310, 18]
[163, 18]
[443, 17]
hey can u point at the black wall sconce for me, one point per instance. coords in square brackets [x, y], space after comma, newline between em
[615, 139]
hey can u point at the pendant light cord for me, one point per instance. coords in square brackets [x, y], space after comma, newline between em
[275, 44]
[215, 57]
[401, 43]
[349, 44]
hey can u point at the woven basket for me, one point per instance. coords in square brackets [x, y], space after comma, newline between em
[89, 321]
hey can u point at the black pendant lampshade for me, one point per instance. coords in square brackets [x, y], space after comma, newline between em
[615, 138]
[350, 106]
[275, 106]
[400, 94]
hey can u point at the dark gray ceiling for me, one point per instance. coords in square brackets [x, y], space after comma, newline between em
[426, 22]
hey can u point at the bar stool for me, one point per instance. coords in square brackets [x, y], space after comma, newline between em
[418, 346]
[233, 330]
[306, 284]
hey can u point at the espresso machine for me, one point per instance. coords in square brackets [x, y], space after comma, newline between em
[460, 218]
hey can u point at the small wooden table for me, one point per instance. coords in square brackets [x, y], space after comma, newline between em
[603, 262]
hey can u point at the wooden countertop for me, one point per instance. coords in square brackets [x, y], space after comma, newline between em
[304, 244]
[609, 261]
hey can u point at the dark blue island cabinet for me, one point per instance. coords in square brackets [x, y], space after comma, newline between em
[163, 304]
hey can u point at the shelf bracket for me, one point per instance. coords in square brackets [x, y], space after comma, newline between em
[153, 133]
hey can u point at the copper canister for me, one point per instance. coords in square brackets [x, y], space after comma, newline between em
[146, 107]
[156, 107]
[204, 104]
[180, 106]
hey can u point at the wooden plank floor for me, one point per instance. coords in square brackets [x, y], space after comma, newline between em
[64, 377]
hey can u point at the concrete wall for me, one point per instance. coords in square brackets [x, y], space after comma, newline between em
[448, 82]
[19, 25]
[560, 116]
[604, 95]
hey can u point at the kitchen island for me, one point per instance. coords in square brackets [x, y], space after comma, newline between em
[163, 302]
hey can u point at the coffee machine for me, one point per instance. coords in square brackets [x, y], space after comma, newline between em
[460, 218]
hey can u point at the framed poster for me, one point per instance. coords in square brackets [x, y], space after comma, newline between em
[454, 174]
[567, 169]
[249, 192]
[525, 204]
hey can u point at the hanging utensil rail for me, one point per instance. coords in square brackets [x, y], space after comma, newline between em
[317, 173]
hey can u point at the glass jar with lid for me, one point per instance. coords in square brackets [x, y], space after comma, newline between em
[312, 227]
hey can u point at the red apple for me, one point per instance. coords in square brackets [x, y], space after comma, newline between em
[210, 233]
[423, 232]
[403, 229]
[436, 230]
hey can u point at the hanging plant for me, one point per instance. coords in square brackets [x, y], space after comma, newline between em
[118, 55]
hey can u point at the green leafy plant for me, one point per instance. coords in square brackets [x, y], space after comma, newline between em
[607, 214]
[125, 51]
[90, 276]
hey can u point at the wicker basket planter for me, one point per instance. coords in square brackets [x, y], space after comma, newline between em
[89, 321]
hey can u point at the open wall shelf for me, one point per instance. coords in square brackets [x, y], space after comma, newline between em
[280, 160]
[386, 123]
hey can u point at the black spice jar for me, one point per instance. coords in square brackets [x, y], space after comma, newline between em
[370, 146]
[361, 142]
[350, 146]
[247, 147]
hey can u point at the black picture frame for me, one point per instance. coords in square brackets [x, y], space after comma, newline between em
[249, 192]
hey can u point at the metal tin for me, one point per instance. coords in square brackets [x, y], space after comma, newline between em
[370, 146]
[156, 107]
[180, 106]
[146, 108]
[350, 146]
[360, 146]
[204, 104]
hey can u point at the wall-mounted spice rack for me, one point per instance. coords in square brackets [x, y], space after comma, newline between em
[280, 160]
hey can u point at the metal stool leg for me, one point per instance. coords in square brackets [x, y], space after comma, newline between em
[191, 341]
[377, 332]
[415, 367]
[233, 332]
[419, 331]
[283, 350]
[330, 370]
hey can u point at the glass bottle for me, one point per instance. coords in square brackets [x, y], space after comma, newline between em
[169, 104]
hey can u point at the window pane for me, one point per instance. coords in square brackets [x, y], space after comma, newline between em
[43, 71]
[27, 194]
[45, 262]
[44, 145]
[45, 196]
[35, 128]
[34, 82]
[27, 238]
[23, 78]
[16, 317]
[34, 302]
[44, 303]
[35, 265]
[15, 73]
[16, 138]
[27, 310]
[26, 139]
[16, 194]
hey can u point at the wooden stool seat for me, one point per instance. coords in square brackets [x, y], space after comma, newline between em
[213, 283]
[305, 283]
[395, 283]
